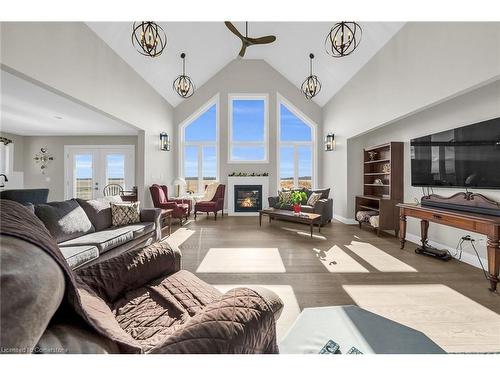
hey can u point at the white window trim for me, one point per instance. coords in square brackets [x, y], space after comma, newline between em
[214, 100]
[7, 157]
[314, 143]
[231, 143]
[129, 177]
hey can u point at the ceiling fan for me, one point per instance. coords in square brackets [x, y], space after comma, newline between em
[245, 40]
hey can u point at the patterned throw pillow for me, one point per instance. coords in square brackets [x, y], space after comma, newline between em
[313, 198]
[125, 213]
[285, 198]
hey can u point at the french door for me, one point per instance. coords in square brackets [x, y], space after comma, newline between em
[88, 169]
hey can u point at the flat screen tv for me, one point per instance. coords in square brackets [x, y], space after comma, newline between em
[467, 157]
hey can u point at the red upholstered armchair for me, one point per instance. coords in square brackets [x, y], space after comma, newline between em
[215, 205]
[159, 194]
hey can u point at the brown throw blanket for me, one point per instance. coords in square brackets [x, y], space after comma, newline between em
[18, 221]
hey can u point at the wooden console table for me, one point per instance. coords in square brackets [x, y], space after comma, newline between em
[484, 224]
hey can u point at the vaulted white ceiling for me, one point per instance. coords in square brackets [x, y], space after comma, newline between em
[209, 46]
[29, 109]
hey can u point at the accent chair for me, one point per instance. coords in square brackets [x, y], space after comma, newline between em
[159, 195]
[215, 205]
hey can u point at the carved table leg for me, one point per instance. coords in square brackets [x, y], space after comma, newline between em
[424, 228]
[493, 247]
[402, 230]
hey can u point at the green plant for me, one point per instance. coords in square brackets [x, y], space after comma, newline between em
[298, 196]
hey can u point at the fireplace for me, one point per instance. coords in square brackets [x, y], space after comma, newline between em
[247, 198]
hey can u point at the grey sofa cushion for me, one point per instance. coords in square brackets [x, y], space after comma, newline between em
[77, 256]
[325, 193]
[64, 220]
[99, 210]
[140, 229]
[104, 240]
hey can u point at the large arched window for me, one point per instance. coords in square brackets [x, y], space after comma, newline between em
[296, 148]
[198, 162]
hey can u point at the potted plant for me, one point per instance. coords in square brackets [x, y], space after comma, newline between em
[297, 197]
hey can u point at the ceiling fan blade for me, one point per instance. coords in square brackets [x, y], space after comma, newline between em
[233, 29]
[242, 50]
[262, 40]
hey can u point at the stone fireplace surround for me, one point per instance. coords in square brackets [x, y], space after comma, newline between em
[248, 180]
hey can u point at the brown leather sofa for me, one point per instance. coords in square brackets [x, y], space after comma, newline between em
[137, 302]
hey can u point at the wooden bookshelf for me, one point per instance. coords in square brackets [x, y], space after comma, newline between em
[382, 196]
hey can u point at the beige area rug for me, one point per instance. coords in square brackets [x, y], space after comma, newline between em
[291, 309]
[242, 260]
[453, 321]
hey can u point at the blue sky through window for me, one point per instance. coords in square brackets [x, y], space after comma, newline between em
[293, 128]
[83, 166]
[248, 120]
[202, 128]
[115, 166]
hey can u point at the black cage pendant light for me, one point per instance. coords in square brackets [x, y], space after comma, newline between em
[343, 39]
[148, 38]
[183, 85]
[311, 86]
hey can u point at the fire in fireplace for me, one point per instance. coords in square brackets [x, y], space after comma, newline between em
[247, 198]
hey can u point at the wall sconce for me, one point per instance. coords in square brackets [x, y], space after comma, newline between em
[164, 142]
[330, 142]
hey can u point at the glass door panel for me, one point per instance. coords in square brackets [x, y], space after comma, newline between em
[115, 169]
[84, 183]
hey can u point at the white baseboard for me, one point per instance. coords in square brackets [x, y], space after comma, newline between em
[466, 257]
[345, 220]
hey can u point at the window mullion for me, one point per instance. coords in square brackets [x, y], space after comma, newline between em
[200, 168]
[296, 165]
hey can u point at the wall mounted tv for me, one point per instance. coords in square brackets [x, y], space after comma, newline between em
[466, 157]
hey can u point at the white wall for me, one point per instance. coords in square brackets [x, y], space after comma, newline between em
[478, 105]
[254, 77]
[53, 179]
[71, 59]
[423, 64]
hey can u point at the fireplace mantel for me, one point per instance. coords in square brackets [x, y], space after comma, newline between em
[247, 180]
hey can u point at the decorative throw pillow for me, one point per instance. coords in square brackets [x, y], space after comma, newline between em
[313, 198]
[285, 198]
[125, 213]
[65, 220]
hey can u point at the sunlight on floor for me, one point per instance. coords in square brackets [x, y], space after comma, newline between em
[336, 260]
[316, 234]
[452, 320]
[242, 260]
[378, 258]
[179, 237]
[291, 309]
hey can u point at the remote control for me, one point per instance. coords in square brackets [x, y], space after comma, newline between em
[353, 350]
[331, 347]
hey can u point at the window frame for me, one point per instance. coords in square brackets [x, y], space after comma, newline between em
[295, 144]
[200, 144]
[264, 143]
[7, 158]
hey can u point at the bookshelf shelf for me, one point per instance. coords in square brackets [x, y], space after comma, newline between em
[382, 184]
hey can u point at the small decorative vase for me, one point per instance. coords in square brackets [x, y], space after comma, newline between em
[297, 208]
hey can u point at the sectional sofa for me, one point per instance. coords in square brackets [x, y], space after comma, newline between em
[83, 230]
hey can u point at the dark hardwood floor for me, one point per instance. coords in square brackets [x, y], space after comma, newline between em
[317, 283]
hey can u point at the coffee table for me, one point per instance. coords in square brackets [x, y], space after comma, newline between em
[306, 218]
[352, 326]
